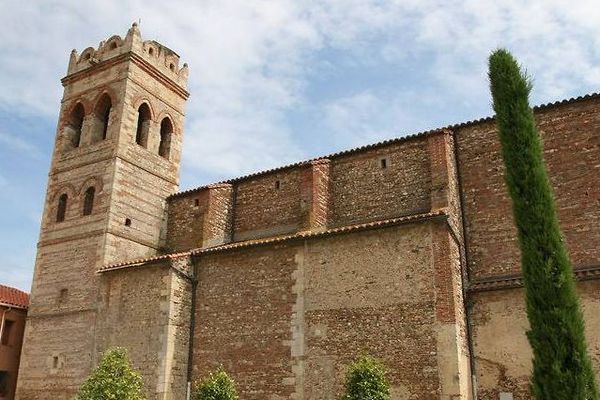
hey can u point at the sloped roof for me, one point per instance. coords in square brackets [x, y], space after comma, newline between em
[448, 128]
[13, 297]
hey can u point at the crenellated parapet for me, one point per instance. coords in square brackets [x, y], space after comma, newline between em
[165, 60]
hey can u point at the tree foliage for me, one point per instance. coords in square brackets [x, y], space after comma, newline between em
[216, 386]
[366, 380]
[562, 369]
[113, 379]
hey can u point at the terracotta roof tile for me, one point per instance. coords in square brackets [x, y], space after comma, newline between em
[278, 239]
[13, 297]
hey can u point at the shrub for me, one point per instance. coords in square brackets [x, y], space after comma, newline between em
[113, 379]
[365, 380]
[216, 386]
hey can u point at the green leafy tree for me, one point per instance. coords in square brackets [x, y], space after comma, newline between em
[562, 369]
[216, 386]
[113, 379]
[365, 380]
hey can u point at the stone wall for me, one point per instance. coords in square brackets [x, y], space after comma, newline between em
[387, 181]
[503, 354]
[286, 319]
[364, 190]
[147, 310]
[571, 149]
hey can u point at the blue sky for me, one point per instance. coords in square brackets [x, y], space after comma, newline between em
[274, 82]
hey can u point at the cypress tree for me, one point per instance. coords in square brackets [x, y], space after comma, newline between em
[562, 369]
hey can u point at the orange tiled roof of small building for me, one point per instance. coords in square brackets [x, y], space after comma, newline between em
[13, 297]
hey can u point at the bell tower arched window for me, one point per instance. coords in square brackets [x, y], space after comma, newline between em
[61, 210]
[101, 118]
[88, 201]
[166, 130]
[73, 128]
[143, 125]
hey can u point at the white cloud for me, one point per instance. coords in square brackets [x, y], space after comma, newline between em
[252, 65]
[251, 61]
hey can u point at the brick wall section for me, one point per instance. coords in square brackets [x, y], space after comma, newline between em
[320, 200]
[157, 300]
[264, 209]
[134, 300]
[243, 311]
[379, 301]
[219, 214]
[46, 338]
[452, 341]
[364, 191]
[503, 354]
[185, 221]
[287, 319]
[444, 178]
[571, 135]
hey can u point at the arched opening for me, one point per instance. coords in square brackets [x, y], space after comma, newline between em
[143, 125]
[73, 128]
[101, 118]
[166, 130]
[61, 210]
[88, 201]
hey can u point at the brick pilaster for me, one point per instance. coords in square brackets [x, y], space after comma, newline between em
[316, 195]
[219, 213]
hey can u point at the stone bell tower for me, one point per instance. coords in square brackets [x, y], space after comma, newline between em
[116, 158]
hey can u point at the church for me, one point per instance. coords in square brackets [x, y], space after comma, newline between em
[405, 250]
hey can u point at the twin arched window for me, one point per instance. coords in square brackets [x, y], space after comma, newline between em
[88, 204]
[99, 123]
[142, 133]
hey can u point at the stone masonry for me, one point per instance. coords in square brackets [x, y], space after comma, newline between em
[404, 249]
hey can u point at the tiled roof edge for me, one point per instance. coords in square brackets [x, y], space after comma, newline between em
[279, 239]
[516, 281]
[384, 143]
[14, 305]
[142, 261]
[328, 232]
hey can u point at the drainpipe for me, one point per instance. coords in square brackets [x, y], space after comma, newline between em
[6, 310]
[466, 273]
[194, 284]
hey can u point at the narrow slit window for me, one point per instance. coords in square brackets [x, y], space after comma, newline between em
[383, 163]
[127, 222]
[143, 125]
[277, 184]
[166, 130]
[74, 126]
[88, 201]
[61, 210]
[102, 118]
